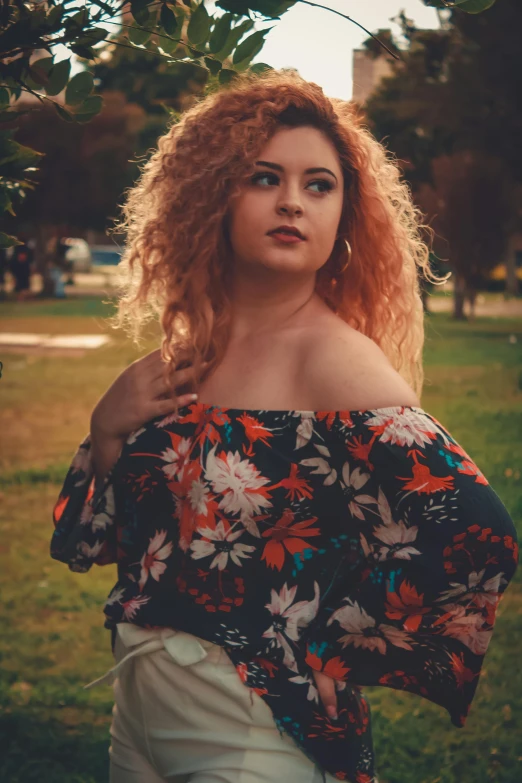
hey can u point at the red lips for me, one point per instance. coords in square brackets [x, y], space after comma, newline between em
[287, 230]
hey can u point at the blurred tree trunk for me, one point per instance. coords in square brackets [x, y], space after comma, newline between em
[511, 269]
[459, 296]
[473, 215]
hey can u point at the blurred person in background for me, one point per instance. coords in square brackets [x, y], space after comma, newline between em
[21, 267]
[66, 265]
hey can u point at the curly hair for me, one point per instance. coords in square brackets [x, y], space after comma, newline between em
[174, 265]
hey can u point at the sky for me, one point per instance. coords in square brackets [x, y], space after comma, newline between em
[319, 44]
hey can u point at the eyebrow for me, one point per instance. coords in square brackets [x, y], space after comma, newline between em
[277, 167]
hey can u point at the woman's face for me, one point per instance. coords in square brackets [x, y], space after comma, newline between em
[298, 182]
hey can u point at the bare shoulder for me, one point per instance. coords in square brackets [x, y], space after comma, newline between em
[343, 369]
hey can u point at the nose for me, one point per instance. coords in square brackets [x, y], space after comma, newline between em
[289, 203]
[289, 208]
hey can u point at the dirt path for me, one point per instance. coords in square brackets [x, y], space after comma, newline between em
[100, 283]
[485, 306]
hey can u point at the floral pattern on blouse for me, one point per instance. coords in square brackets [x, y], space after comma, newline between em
[363, 544]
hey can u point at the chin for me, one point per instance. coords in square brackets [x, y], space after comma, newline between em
[282, 265]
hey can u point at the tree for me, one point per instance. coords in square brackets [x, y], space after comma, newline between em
[452, 113]
[177, 32]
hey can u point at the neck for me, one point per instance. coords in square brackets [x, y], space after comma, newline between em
[263, 309]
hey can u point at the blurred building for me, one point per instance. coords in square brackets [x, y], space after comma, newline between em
[368, 72]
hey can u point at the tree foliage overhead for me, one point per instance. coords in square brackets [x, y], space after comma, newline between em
[179, 34]
[178, 31]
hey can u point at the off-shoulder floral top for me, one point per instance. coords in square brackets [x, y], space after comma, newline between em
[363, 544]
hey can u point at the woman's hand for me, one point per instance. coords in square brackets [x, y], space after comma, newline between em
[326, 687]
[138, 394]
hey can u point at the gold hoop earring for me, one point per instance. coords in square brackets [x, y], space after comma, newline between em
[347, 264]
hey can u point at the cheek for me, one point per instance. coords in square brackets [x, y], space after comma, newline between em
[324, 229]
[246, 216]
[249, 208]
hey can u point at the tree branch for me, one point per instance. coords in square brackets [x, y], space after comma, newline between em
[349, 18]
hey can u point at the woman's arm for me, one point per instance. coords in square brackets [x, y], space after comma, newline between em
[438, 550]
[85, 512]
[105, 451]
[84, 515]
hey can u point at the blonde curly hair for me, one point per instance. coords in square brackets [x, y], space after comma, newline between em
[174, 264]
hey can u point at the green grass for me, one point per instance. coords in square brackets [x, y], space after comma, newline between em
[74, 307]
[53, 640]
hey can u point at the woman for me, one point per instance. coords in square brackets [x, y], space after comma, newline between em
[304, 528]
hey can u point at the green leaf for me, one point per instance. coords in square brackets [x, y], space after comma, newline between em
[58, 77]
[4, 97]
[239, 7]
[260, 68]
[194, 52]
[250, 46]
[220, 33]
[6, 204]
[17, 159]
[81, 18]
[272, 8]
[92, 105]
[83, 51]
[63, 113]
[234, 36]
[168, 45]
[138, 37]
[214, 66]
[6, 240]
[140, 11]
[474, 6]
[37, 18]
[39, 70]
[104, 6]
[269, 8]
[55, 15]
[6, 142]
[226, 76]
[168, 20]
[92, 36]
[81, 118]
[180, 12]
[199, 25]
[79, 87]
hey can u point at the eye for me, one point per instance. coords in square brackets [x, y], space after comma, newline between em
[325, 184]
[257, 177]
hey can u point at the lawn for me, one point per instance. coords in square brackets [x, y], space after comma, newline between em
[53, 640]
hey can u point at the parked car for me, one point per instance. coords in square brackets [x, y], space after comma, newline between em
[76, 254]
[106, 255]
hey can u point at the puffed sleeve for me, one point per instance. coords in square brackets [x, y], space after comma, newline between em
[438, 549]
[85, 518]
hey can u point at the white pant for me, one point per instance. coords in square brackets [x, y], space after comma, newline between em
[183, 715]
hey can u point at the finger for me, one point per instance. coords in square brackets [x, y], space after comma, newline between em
[164, 407]
[326, 688]
[159, 384]
[154, 359]
[161, 388]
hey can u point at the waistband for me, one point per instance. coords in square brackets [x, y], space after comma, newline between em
[184, 648]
